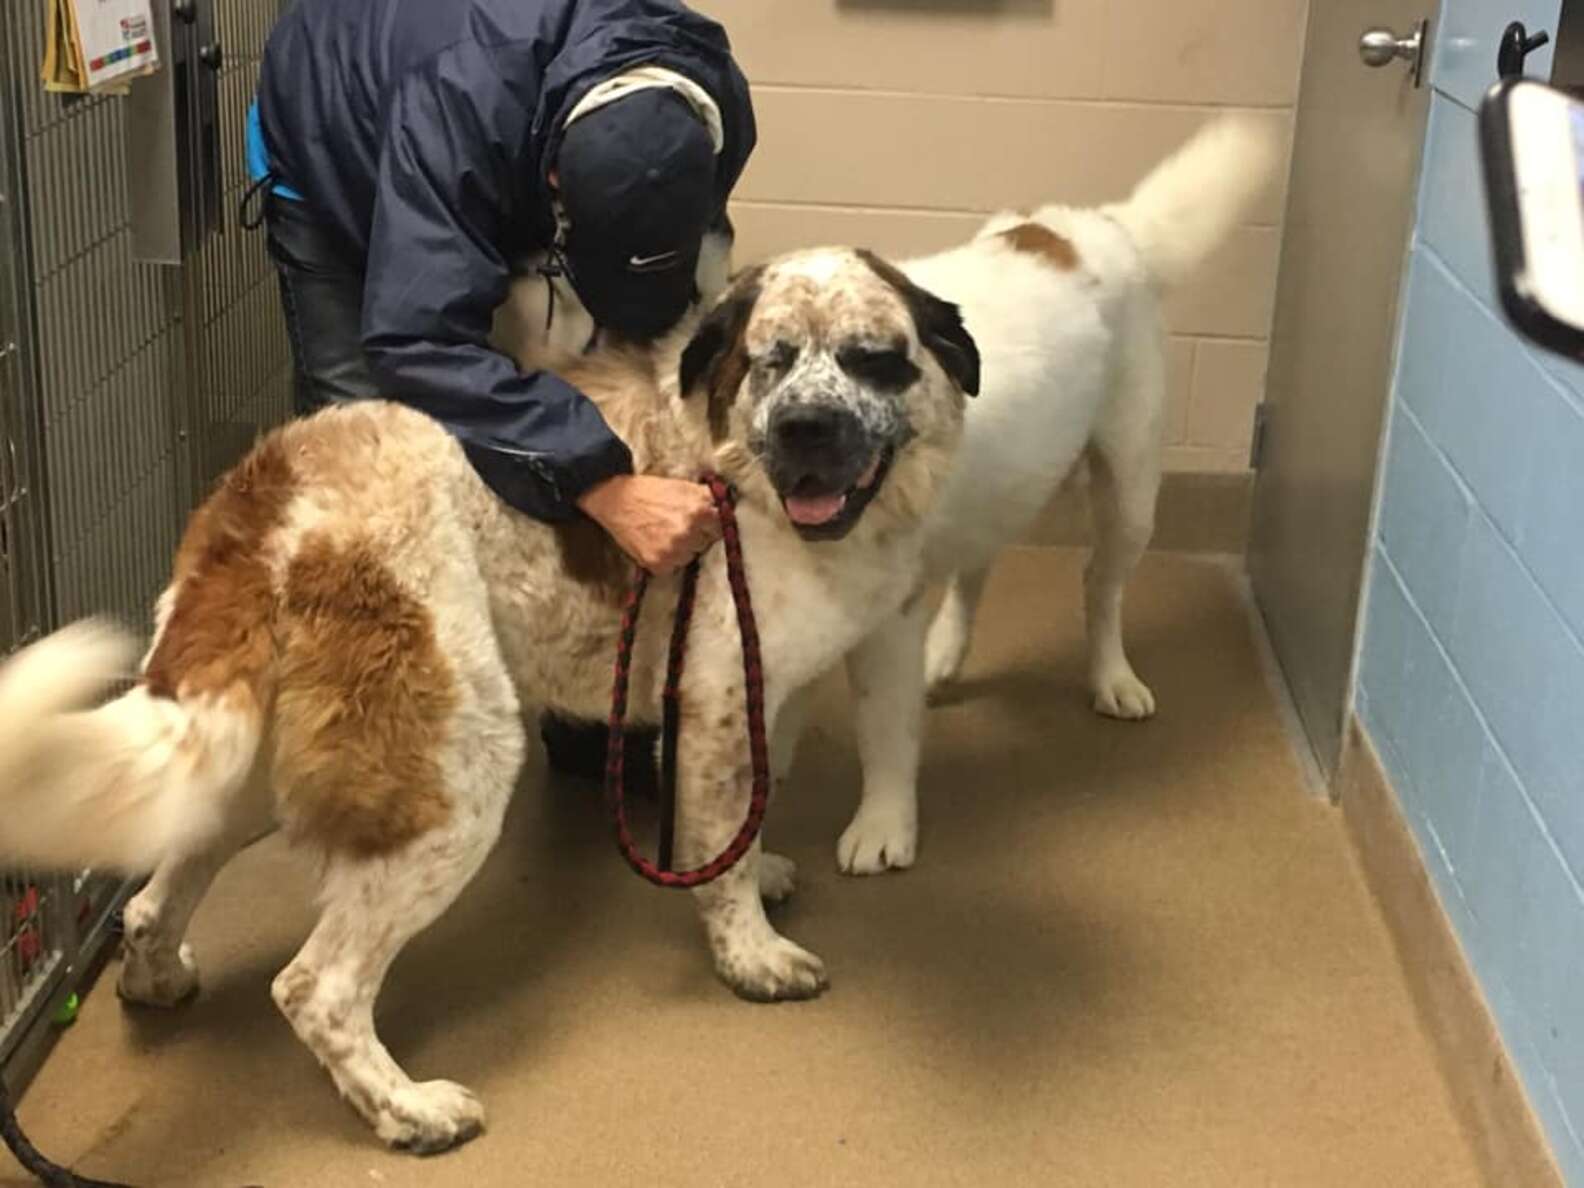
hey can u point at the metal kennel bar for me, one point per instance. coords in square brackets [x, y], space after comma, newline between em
[126, 387]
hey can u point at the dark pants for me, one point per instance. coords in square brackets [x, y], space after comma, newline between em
[321, 288]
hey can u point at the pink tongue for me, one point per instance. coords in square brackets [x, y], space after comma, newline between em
[814, 509]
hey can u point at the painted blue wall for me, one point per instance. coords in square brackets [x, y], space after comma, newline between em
[1471, 679]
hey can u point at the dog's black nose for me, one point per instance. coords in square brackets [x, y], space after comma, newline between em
[808, 428]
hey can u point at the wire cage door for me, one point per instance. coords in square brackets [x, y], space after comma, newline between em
[126, 387]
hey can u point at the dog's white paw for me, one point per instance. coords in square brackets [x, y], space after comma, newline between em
[777, 877]
[429, 1117]
[772, 969]
[1122, 695]
[878, 840]
[158, 978]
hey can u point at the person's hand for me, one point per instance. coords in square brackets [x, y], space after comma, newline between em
[660, 523]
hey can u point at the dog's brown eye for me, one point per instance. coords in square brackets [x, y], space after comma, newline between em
[887, 368]
[780, 357]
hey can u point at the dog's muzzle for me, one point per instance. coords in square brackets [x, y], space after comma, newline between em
[824, 466]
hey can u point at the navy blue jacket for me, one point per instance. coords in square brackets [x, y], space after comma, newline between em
[423, 131]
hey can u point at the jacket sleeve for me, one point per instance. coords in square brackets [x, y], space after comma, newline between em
[434, 279]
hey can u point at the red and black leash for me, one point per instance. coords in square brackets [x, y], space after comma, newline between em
[660, 873]
[45, 1171]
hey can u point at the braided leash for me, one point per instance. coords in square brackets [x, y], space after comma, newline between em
[660, 873]
[44, 1170]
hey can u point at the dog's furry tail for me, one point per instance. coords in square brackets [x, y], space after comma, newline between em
[1190, 203]
[120, 786]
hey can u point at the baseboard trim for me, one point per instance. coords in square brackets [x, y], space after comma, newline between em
[1489, 1097]
[1196, 513]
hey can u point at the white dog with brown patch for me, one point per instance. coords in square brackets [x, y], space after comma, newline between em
[1065, 307]
[356, 622]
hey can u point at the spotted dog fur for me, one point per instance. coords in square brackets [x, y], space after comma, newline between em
[356, 625]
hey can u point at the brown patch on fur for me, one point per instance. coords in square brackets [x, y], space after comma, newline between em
[718, 353]
[1036, 240]
[729, 377]
[591, 559]
[363, 705]
[219, 632]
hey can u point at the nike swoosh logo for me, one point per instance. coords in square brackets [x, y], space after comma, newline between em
[643, 263]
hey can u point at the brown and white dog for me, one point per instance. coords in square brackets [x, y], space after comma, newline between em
[356, 625]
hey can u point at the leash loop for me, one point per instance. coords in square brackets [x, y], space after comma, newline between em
[660, 873]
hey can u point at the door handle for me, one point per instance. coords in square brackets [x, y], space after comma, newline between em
[1516, 46]
[1381, 47]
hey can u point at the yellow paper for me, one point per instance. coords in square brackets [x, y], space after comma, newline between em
[58, 73]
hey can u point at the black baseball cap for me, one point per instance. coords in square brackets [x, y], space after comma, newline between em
[637, 184]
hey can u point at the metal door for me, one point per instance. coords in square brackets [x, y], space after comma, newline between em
[1359, 140]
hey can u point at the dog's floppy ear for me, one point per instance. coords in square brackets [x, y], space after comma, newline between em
[939, 323]
[716, 358]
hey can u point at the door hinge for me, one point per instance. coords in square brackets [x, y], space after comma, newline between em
[1261, 432]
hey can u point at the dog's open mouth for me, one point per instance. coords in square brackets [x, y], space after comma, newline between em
[820, 514]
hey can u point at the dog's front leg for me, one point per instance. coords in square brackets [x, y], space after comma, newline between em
[886, 673]
[714, 783]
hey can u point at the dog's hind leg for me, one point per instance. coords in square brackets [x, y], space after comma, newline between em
[886, 673]
[373, 905]
[952, 631]
[1125, 461]
[398, 737]
[157, 966]
[790, 723]
[778, 873]
[405, 799]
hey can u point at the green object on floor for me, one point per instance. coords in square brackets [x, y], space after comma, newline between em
[66, 1013]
